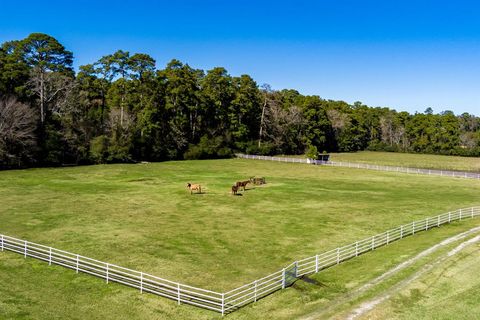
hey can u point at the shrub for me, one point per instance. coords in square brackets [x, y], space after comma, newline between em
[312, 152]
[209, 148]
[98, 149]
[265, 149]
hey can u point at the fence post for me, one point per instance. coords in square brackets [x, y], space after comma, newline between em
[2, 242]
[356, 249]
[180, 299]
[283, 278]
[460, 215]
[338, 255]
[77, 264]
[373, 243]
[388, 237]
[401, 231]
[296, 269]
[413, 228]
[472, 211]
[141, 282]
[50, 256]
[426, 224]
[438, 221]
[223, 304]
[255, 292]
[107, 273]
[449, 217]
[316, 263]
[25, 249]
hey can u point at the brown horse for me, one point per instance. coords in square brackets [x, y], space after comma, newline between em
[257, 181]
[242, 184]
[195, 187]
[234, 190]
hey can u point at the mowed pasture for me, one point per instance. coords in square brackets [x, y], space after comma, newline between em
[412, 160]
[143, 217]
[450, 290]
[427, 161]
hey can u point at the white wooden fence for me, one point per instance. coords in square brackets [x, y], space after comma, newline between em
[232, 300]
[112, 273]
[446, 173]
[253, 291]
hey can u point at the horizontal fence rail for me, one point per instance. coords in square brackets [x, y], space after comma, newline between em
[357, 165]
[232, 300]
[112, 273]
[253, 291]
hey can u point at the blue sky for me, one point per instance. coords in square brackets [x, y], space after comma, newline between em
[407, 55]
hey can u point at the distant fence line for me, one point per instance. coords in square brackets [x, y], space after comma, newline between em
[357, 165]
[226, 302]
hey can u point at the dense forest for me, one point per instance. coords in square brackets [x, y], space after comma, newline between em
[121, 108]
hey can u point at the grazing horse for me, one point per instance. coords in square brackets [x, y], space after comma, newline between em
[193, 187]
[257, 181]
[242, 184]
[234, 190]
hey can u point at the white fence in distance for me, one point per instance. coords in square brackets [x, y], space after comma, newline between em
[232, 300]
[357, 165]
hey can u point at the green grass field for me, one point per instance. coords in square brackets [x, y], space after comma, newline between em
[414, 160]
[142, 217]
[449, 291]
[428, 161]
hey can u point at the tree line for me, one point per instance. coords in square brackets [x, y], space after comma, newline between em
[122, 108]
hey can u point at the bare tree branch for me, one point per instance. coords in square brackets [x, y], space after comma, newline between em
[18, 123]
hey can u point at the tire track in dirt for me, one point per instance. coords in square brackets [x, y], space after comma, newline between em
[369, 305]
